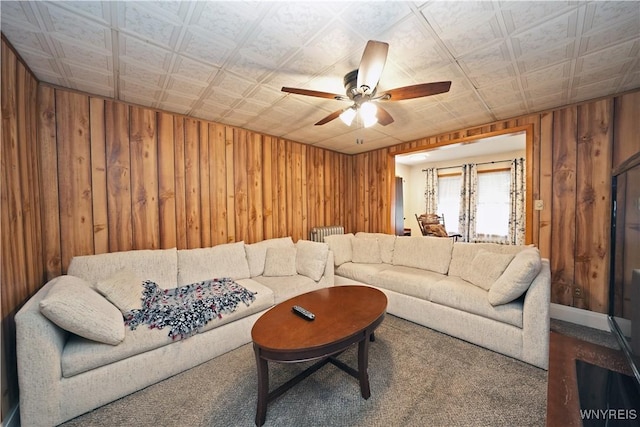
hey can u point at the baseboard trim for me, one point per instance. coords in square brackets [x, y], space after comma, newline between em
[579, 316]
[12, 419]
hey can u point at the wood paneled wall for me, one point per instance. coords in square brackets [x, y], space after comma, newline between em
[83, 175]
[123, 177]
[573, 152]
[22, 266]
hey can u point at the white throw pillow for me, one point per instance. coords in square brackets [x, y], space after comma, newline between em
[340, 245]
[257, 252]
[124, 290]
[486, 267]
[74, 306]
[311, 258]
[280, 262]
[517, 277]
[366, 251]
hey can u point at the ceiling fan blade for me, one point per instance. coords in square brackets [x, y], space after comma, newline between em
[384, 118]
[416, 91]
[330, 117]
[315, 93]
[372, 64]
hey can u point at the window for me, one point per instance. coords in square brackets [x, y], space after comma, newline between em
[492, 215]
[449, 200]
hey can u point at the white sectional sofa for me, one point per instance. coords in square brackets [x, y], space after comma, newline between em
[86, 357]
[495, 296]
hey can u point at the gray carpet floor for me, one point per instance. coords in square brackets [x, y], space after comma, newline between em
[418, 377]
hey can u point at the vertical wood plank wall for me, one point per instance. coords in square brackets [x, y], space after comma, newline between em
[83, 175]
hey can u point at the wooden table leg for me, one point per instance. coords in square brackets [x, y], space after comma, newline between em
[363, 364]
[263, 387]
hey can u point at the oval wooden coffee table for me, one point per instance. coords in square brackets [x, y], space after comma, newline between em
[345, 315]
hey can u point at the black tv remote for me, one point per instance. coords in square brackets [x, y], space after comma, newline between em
[302, 312]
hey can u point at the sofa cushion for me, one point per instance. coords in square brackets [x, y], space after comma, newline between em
[463, 254]
[486, 267]
[386, 241]
[81, 355]
[516, 278]
[459, 294]
[280, 262]
[427, 253]
[158, 265]
[340, 245]
[124, 290]
[75, 307]
[363, 273]
[257, 252]
[311, 258]
[286, 287]
[366, 251]
[410, 281]
[226, 260]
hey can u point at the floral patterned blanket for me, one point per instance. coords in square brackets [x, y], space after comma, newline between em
[187, 309]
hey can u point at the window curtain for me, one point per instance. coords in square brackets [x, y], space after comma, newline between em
[517, 198]
[468, 202]
[431, 191]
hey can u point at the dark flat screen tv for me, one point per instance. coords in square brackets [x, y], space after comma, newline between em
[624, 284]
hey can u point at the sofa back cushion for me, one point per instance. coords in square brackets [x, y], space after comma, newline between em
[311, 258]
[464, 253]
[227, 260]
[427, 253]
[366, 251]
[257, 252]
[158, 265]
[386, 241]
[517, 277]
[340, 245]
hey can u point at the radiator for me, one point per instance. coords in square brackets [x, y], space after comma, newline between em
[317, 234]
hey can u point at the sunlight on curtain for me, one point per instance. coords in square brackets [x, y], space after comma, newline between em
[431, 191]
[449, 201]
[468, 200]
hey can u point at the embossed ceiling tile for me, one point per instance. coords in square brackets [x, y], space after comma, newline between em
[94, 88]
[227, 21]
[177, 98]
[590, 91]
[254, 69]
[506, 110]
[205, 48]
[519, 15]
[72, 28]
[95, 10]
[507, 92]
[190, 88]
[269, 49]
[25, 40]
[557, 31]
[620, 53]
[185, 67]
[604, 15]
[542, 77]
[222, 97]
[557, 87]
[139, 99]
[624, 31]
[143, 19]
[373, 19]
[232, 83]
[175, 108]
[266, 95]
[41, 63]
[464, 105]
[591, 76]
[295, 22]
[143, 53]
[19, 14]
[248, 106]
[536, 60]
[100, 77]
[488, 65]
[134, 73]
[139, 87]
[237, 117]
[95, 58]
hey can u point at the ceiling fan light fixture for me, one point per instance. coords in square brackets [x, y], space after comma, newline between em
[348, 115]
[368, 114]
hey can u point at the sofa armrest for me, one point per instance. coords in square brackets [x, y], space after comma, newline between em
[535, 321]
[39, 346]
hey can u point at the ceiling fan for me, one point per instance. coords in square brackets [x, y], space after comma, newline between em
[361, 89]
